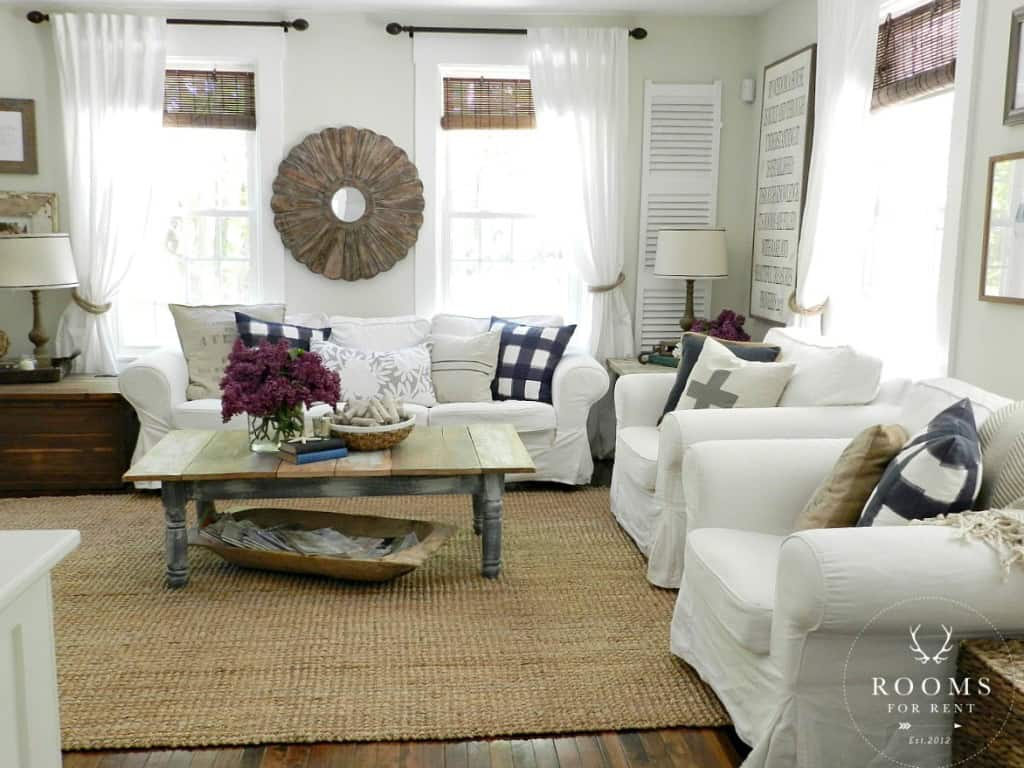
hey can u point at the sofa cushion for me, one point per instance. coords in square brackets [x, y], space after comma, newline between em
[204, 414]
[463, 325]
[734, 573]
[930, 397]
[721, 379]
[1002, 452]
[525, 416]
[254, 332]
[827, 372]
[379, 334]
[527, 359]
[636, 455]
[462, 367]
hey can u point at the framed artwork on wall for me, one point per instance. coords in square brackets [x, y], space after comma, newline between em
[784, 153]
[28, 213]
[18, 136]
[1002, 250]
[1013, 112]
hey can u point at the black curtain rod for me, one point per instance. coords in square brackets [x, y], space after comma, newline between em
[394, 28]
[38, 17]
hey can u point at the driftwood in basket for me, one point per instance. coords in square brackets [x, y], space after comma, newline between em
[375, 412]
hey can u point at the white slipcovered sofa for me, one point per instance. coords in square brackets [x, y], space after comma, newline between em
[555, 434]
[835, 392]
[790, 627]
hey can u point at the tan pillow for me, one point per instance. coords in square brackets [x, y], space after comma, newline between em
[207, 335]
[839, 500]
[462, 367]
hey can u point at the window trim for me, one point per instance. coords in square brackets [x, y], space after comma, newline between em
[431, 53]
[261, 51]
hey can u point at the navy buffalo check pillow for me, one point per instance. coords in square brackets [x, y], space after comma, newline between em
[527, 359]
[253, 331]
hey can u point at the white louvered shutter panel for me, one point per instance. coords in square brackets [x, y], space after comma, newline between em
[678, 189]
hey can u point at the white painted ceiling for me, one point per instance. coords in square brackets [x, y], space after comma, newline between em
[665, 7]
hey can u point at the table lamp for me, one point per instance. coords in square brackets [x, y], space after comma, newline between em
[692, 254]
[35, 263]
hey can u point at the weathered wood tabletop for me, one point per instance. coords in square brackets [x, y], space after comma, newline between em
[207, 465]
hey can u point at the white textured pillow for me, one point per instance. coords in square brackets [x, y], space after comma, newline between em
[827, 373]
[403, 373]
[722, 380]
[462, 367]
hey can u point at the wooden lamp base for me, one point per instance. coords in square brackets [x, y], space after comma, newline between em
[37, 335]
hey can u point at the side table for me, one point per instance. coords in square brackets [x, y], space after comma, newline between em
[73, 435]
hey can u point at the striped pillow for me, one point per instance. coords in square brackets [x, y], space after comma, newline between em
[253, 331]
[1002, 449]
[462, 367]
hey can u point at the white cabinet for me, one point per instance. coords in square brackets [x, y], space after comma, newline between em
[29, 715]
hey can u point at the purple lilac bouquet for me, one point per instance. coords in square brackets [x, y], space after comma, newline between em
[728, 325]
[271, 383]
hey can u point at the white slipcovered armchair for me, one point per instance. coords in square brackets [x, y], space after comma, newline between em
[647, 493]
[790, 627]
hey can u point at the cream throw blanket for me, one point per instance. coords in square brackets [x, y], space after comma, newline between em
[1001, 529]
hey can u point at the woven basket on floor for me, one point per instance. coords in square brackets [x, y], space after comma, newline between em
[988, 738]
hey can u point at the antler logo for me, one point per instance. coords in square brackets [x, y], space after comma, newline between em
[923, 656]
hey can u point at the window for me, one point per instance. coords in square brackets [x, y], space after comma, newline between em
[893, 291]
[205, 218]
[499, 254]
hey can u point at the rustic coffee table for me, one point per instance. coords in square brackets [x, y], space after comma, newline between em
[206, 466]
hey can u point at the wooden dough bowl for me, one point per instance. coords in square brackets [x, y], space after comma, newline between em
[431, 535]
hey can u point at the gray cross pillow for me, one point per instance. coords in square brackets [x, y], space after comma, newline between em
[720, 379]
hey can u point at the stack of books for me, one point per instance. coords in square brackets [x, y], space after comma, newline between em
[306, 450]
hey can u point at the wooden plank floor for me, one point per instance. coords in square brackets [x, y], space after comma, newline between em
[671, 748]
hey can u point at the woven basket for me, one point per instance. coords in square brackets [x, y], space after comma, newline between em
[374, 438]
[984, 740]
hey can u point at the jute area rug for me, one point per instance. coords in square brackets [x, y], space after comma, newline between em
[571, 638]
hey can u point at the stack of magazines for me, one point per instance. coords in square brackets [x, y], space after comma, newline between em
[288, 537]
[305, 450]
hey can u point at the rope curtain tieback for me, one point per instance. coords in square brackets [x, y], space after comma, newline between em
[610, 287]
[811, 311]
[88, 306]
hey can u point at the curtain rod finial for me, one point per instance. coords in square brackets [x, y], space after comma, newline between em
[639, 33]
[37, 17]
[300, 24]
[394, 28]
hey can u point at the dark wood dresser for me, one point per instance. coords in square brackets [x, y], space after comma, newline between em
[76, 435]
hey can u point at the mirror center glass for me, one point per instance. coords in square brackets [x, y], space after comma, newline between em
[348, 204]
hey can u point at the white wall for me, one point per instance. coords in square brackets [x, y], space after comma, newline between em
[28, 71]
[778, 32]
[346, 70]
[986, 347]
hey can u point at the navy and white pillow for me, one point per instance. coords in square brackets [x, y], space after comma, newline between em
[937, 473]
[527, 358]
[253, 331]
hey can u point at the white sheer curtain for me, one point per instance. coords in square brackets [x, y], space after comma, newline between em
[580, 88]
[838, 209]
[111, 71]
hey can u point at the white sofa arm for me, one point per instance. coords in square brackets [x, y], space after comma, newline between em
[840, 579]
[578, 383]
[754, 485]
[640, 398]
[154, 384]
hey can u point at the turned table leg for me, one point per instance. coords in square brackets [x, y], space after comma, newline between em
[175, 534]
[493, 488]
[478, 512]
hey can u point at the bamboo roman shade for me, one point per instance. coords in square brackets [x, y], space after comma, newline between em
[916, 53]
[484, 103]
[209, 99]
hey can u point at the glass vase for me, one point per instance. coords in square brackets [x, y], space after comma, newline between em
[266, 433]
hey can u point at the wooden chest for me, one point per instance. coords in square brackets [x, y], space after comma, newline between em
[76, 435]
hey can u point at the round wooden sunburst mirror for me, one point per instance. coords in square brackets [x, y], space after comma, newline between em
[348, 203]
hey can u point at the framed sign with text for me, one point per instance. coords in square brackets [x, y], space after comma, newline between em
[784, 153]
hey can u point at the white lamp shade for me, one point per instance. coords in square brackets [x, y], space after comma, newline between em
[697, 254]
[36, 261]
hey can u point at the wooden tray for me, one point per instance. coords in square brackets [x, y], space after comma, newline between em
[431, 535]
